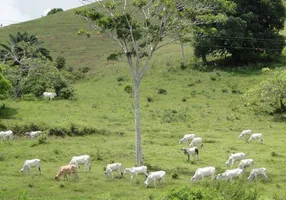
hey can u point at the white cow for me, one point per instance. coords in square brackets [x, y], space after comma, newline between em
[246, 163]
[229, 174]
[80, 160]
[4, 135]
[191, 151]
[187, 138]
[256, 136]
[136, 170]
[153, 176]
[257, 171]
[244, 133]
[196, 140]
[31, 163]
[49, 95]
[235, 157]
[34, 134]
[202, 172]
[113, 167]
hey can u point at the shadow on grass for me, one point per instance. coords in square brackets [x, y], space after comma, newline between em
[242, 68]
[7, 112]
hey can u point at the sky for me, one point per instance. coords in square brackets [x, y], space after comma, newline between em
[15, 11]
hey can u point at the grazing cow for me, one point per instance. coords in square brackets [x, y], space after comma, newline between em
[136, 170]
[202, 172]
[31, 163]
[113, 167]
[257, 171]
[65, 170]
[234, 157]
[49, 95]
[197, 140]
[33, 134]
[256, 136]
[229, 174]
[158, 175]
[191, 151]
[244, 133]
[80, 160]
[187, 138]
[246, 163]
[4, 135]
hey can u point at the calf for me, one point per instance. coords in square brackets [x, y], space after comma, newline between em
[80, 160]
[229, 174]
[246, 163]
[153, 176]
[187, 138]
[256, 136]
[196, 140]
[33, 134]
[191, 151]
[31, 163]
[65, 170]
[202, 172]
[255, 172]
[49, 95]
[113, 167]
[234, 157]
[244, 133]
[136, 170]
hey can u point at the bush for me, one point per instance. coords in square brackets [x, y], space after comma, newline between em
[29, 97]
[60, 62]
[162, 91]
[66, 93]
[129, 89]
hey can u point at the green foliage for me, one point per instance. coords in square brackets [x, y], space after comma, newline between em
[129, 89]
[5, 85]
[162, 91]
[60, 62]
[269, 95]
[216, 191]
[249, 31]
[55, 10]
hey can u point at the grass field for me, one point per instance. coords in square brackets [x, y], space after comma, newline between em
[209, 104]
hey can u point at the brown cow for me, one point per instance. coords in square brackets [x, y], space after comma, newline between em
[65, 170]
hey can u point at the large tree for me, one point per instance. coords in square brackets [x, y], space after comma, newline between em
[140, 28]
[16, 50]
[251, 30]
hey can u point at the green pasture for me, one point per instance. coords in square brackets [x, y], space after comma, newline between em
[173, 102]
[196, 102]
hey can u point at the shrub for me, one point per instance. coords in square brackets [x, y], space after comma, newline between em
[29, 97]
[120, 78]
[174, 175]
[150, 99]
[60, 62]
[66, 93]
[162, 91]
[84, 70]
[129, 89]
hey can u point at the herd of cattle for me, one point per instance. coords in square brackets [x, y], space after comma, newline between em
[200, 173]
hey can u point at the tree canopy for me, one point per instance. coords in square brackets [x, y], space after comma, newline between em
[250, 31]
[55, 10]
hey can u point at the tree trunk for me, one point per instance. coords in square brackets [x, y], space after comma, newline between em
[282, 106]
[183, 56]
[139, 160]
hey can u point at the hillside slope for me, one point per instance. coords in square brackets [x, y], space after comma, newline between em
[58, 32]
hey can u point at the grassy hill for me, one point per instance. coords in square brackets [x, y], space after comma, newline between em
[209, 104]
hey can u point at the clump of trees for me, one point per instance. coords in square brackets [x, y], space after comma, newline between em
[31, 69]
[251, 30]
[55, 10]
